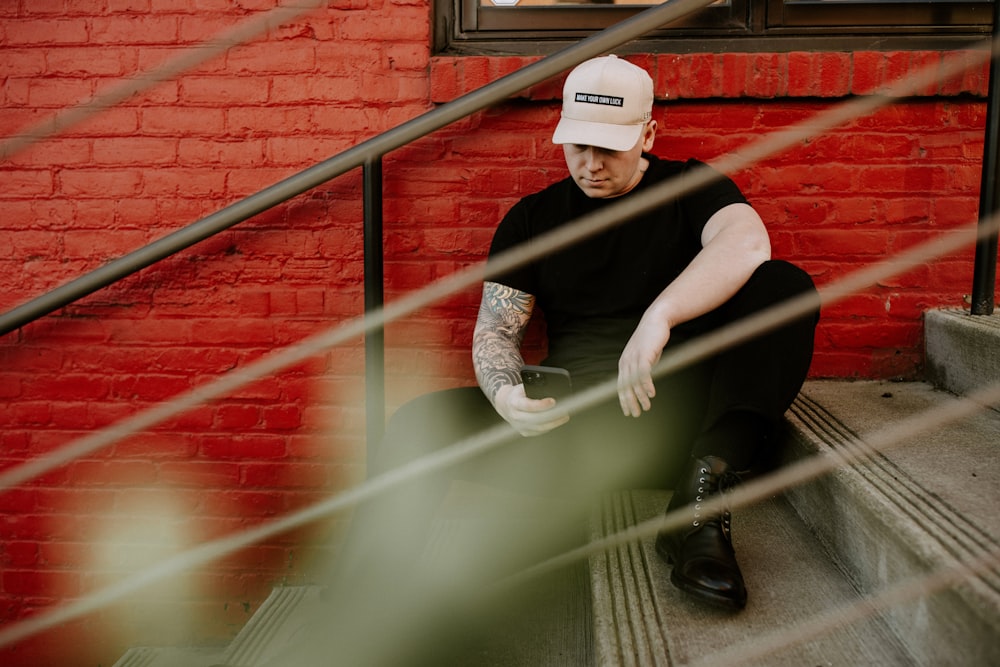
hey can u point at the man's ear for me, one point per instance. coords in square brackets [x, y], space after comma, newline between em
[649, 136]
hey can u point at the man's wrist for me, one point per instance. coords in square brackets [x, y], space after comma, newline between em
[660, 312]
[494, 382]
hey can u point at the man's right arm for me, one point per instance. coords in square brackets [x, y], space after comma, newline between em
[504, 313]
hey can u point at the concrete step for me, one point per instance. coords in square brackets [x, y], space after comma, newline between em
[962, 350]
[922, 506]
[927, 504]
[817, 549]
[919, 508]
[824, 545]
[641, 620]
[275, 627]
[544, 622]
[148, 656]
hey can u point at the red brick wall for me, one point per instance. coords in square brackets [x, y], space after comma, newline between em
[263, 111]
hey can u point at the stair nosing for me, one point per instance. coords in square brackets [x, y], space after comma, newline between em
[259, 631]
[903, 492]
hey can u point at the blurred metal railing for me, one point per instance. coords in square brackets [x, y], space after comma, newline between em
[368, 155]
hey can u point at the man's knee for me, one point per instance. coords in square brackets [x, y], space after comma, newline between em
[781, 277]
[776, 281]
[430, 422]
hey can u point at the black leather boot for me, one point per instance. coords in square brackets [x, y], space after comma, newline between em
[704, 563]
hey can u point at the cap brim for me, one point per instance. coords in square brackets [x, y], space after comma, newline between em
[602, 135]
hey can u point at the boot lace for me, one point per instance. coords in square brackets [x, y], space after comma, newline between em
[710, 484]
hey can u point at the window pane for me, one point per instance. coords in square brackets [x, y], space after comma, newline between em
[566, 15]
[952, 15]
[576, 3]
[871, 2]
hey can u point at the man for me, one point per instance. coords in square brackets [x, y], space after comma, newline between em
[613, 304]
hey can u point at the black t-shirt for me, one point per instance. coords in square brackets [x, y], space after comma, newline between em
[593, 293]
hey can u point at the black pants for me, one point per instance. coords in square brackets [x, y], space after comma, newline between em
[759, 377]
[377, 575]
[600, 449]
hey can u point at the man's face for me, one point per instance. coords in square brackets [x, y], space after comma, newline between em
[602, 173]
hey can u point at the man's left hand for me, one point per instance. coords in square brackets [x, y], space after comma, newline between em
[635, 366]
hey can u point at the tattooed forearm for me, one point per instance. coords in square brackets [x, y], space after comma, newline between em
[496, 344]
[496, 365]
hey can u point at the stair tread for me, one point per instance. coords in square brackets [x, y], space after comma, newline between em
[958, 463]
[641, 619]
[285, 617]
[920, 506]
[170, 656]
[961, 349]
[940, 487]
[935, 497]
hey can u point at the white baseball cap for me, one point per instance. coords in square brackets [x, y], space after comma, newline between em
[607, 102]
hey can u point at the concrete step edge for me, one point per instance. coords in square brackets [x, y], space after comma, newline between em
[626, 631]
[882, 526]
[642, 620]
[273, 626]
[170, 656]
[962, 350]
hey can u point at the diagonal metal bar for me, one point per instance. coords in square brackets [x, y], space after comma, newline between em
[462, 279]
[744, 494]
[289, 356]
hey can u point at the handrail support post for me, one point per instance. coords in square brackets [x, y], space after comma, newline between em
[374, 300]
[985, 263]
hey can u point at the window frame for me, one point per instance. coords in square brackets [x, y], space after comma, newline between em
[732, 17]
[755, 26]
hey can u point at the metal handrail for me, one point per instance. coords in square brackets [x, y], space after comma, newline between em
[352, 158]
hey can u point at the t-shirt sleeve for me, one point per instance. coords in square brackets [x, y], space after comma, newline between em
[520, 225]
[702, 204]
[513, 231]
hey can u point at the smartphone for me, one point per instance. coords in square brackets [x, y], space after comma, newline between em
[546, 381]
